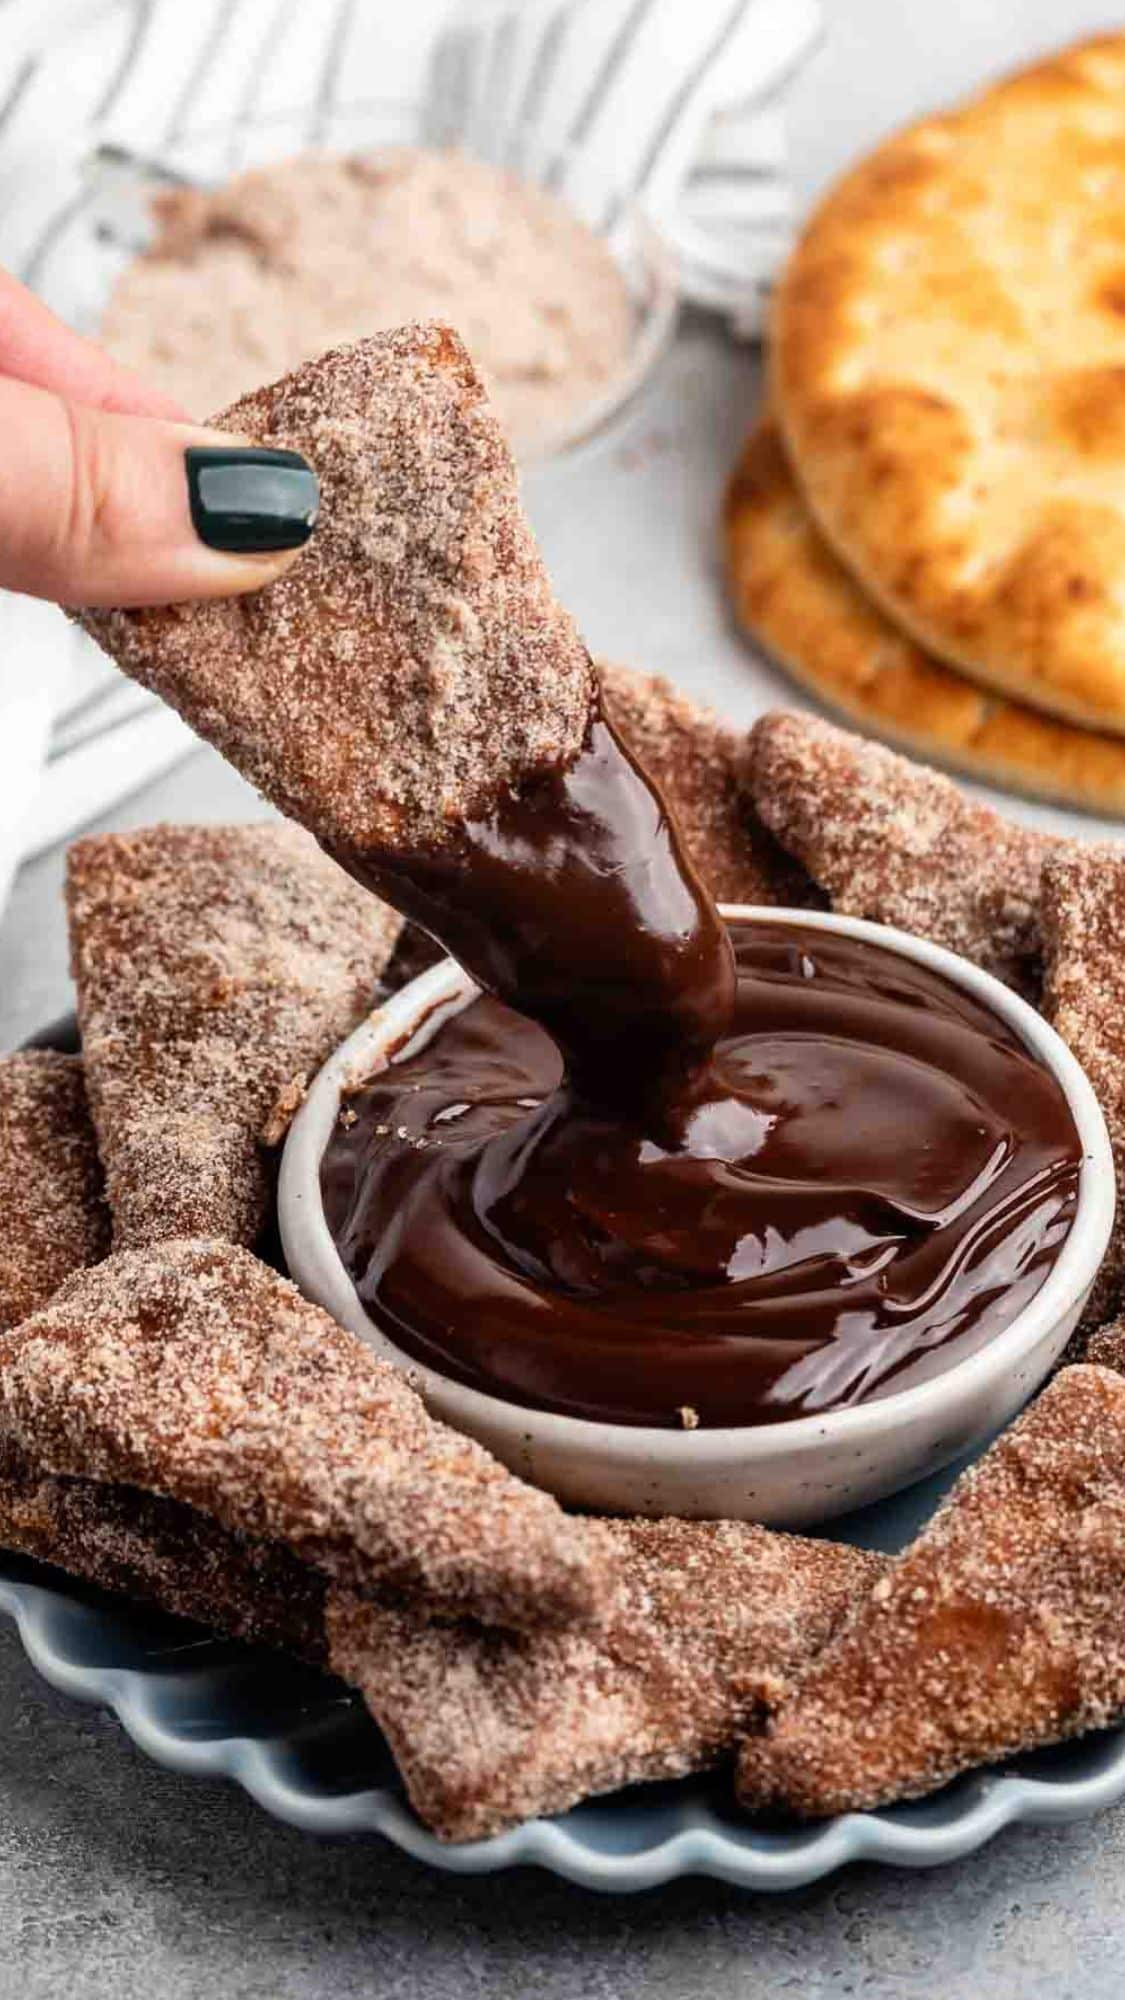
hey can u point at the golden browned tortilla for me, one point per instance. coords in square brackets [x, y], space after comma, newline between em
[799, 601]
[949, 365]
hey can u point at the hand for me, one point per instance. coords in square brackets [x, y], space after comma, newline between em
[109, 495]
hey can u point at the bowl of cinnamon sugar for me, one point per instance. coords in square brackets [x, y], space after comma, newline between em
[894, 1400]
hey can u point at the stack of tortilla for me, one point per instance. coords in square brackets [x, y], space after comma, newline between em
[927, 525]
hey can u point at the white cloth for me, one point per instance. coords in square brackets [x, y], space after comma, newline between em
[27, 699]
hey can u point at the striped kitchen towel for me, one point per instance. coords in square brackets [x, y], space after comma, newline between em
[676, 105]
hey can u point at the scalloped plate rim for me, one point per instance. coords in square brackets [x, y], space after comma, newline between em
[700, 1845]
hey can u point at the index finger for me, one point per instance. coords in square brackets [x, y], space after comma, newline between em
[37, 348]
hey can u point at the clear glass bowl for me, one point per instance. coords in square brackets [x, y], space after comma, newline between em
[507, 83]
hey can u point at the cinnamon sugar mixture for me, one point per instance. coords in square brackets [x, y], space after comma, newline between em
[245, 282]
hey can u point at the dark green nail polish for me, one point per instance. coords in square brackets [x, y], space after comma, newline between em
[247, 500]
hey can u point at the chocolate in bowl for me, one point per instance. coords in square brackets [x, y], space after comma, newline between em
[802, 1471]
[886, 1182]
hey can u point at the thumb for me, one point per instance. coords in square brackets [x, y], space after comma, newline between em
[98, 508]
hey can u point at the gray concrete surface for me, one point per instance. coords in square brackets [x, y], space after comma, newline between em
[118, 1879]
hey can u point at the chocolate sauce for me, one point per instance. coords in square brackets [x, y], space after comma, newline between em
[874, 1179]
[576, 903]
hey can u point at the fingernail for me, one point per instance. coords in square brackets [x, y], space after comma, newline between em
[247, 500]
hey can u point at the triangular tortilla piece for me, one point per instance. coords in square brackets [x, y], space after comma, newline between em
[488, 1729]
[1083, 900]
[413, 663]
[191, 1371]
[998, 1630]
[893, 841]
[216, 966]
[55, 1220]
[699, 763]
[157, 1552]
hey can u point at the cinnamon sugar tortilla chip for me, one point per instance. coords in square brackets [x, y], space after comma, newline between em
[156, 1551]
[54, 1216]
[193, 1372]
[488, 1729]
[413, 662]
[1106, 1347]
[213, 965]
[998, 1630]
[699, 763]
[1083, 915]
[895, 842]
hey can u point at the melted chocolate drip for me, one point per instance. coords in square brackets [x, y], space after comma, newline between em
[576, 903]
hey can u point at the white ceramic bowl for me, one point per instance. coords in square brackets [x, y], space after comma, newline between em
[791, 1473]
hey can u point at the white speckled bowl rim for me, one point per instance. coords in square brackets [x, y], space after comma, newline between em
[304, 1749]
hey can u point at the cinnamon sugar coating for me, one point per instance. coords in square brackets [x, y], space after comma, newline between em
[193, 1372]
[895, 842]
[699, 763]
[1083, 899]
[413, 662]
[55, 1220]
[1106, 1347]
[998, 1630]
[214, 965]
[161, 1553]
[489, 1729]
